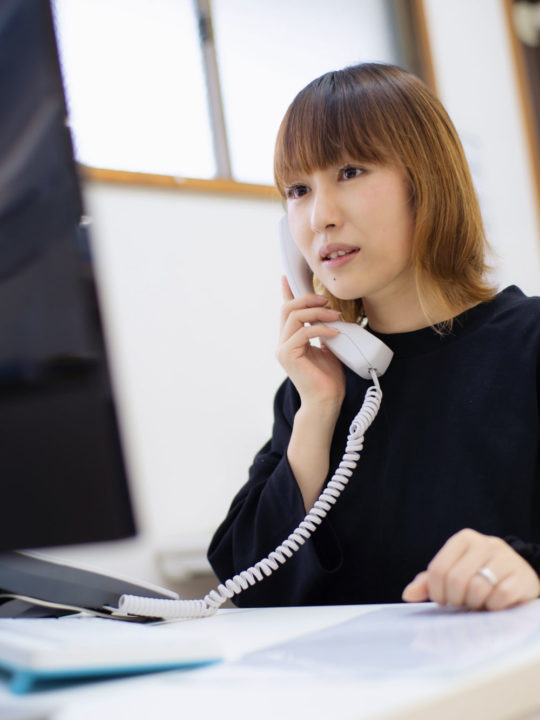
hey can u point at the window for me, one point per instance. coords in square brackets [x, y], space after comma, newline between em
[135, 86]
[524, 25]
[268, 51]
[140, 89]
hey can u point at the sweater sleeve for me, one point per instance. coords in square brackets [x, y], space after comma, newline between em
[263, 514]
[529, 551]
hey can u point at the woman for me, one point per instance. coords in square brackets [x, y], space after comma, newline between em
[444, 503]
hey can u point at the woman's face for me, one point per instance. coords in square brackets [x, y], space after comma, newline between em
[354, 225]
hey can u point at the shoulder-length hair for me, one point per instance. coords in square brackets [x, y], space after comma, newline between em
[384, 115]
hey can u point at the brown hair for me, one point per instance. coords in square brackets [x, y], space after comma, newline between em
[382, 114]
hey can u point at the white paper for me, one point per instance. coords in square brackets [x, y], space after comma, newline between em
[404, 639]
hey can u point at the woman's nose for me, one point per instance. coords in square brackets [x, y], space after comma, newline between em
[325, 212]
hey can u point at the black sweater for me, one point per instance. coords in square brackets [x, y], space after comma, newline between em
[455, 445]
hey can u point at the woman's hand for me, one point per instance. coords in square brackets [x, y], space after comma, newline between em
[475, 571]
[320, 381]
[315, 372]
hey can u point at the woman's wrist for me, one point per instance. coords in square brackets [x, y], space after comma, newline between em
[309, 447]
[326, 410]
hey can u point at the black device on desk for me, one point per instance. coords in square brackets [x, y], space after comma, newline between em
[62, 473]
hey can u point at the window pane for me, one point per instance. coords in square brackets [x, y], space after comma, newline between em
[267, 51]
[135, 86]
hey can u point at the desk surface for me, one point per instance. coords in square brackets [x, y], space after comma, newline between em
[350, 662]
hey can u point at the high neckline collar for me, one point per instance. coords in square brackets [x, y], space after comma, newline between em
[417, 342]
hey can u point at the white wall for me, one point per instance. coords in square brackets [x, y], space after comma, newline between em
[191, 292]
[190, 287]
[477, 83]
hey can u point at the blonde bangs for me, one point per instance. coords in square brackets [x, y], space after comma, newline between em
[322, 127]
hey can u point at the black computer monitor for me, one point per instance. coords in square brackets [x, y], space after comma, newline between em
[62, 472]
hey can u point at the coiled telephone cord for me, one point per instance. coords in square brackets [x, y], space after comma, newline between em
[169, 609]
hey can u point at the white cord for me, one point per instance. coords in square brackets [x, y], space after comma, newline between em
[168, 609]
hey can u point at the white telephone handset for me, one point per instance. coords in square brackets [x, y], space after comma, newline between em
[355, 347]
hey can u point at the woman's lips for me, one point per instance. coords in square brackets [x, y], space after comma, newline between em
[339, 257]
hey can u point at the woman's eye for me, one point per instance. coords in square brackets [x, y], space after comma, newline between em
[294, 192]
[351, 172]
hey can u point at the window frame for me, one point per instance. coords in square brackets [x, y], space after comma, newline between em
[412, 38]
[526, 101]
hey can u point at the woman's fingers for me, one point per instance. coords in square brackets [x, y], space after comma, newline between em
[450, 553]
[521, 583]
[476, 571]
[297, 345]
[316, 373]
[295, 305]
[418, 589]
[485, 580]
[286, 289]
[301, 320]
[452, 569]
[298, 319]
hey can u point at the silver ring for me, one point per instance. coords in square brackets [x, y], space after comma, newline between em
[488, 575]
